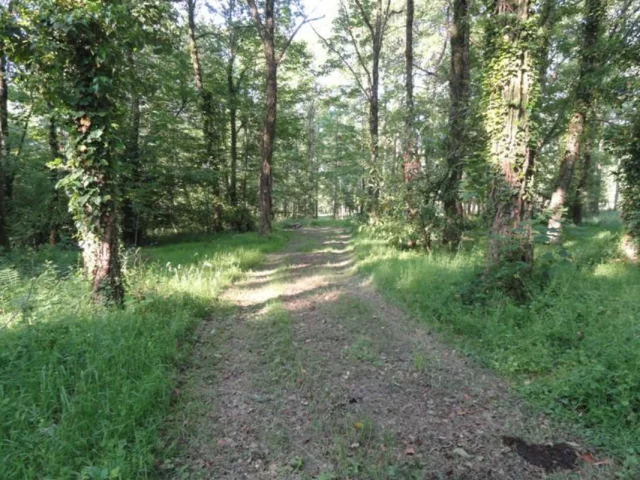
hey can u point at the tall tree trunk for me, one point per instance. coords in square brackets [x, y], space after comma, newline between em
[4, 157]
[547, 20]
[54, 175]
[266, 30]
[233, 112]
[583, 184]
[411, 164]
[373, 189]
[245, 157]
[207, 109]
[311, 199]
[510, 85]
[594, 13]
[132, 231]
[268, 138]
[457, 139]
[409, 120]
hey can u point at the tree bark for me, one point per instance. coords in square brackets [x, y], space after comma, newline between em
[310, 204]
[377, 28]
[580, 117]
[510, 81]
[208, 121]
[4, 224]
[409, 141]
[457, 140]
[266, 29]
[411, 164]
[583, 185]
[268, 139]
[132, 232]
[54, 207]
[233, 112]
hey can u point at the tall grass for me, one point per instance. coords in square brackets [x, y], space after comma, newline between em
[573, 349]
[83, 390]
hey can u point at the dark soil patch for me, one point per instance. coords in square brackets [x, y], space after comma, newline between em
[559, 456]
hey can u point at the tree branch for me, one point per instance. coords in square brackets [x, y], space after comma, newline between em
[355, 46]
[295, 32]
[345, 62]
[424, 70]
[365, 17]
[255, 14]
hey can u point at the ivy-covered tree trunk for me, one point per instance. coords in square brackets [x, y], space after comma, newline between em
[457, 139]
[4, 224]
[511, 88]
[93, 195]
[594, 13]
[629, 179]
[90, 155]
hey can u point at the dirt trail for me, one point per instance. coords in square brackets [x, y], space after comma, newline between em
[316, 376]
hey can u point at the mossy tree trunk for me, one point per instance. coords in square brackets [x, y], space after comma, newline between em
[91, 160]
[511, 89]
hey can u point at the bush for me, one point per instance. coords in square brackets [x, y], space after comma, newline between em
[239, 219]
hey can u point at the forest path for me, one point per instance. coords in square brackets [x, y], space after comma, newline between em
[316, 376]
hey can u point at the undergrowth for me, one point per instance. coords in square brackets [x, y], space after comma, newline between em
[83, 390]
[572, 349]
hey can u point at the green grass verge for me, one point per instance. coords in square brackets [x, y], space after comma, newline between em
[573, 350]
[83, 390]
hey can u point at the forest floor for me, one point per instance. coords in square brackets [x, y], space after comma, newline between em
[312, 374]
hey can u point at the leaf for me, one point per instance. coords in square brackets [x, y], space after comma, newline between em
[461, 452]
[588, 457]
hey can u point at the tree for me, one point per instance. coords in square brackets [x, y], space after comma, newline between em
[208, 114]
[510, 86]
[372, 16]
[81, 48]
[265, 23]
[457, 137]
[411, 165]
[4, 147]
[580, 118]
[132, 230]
